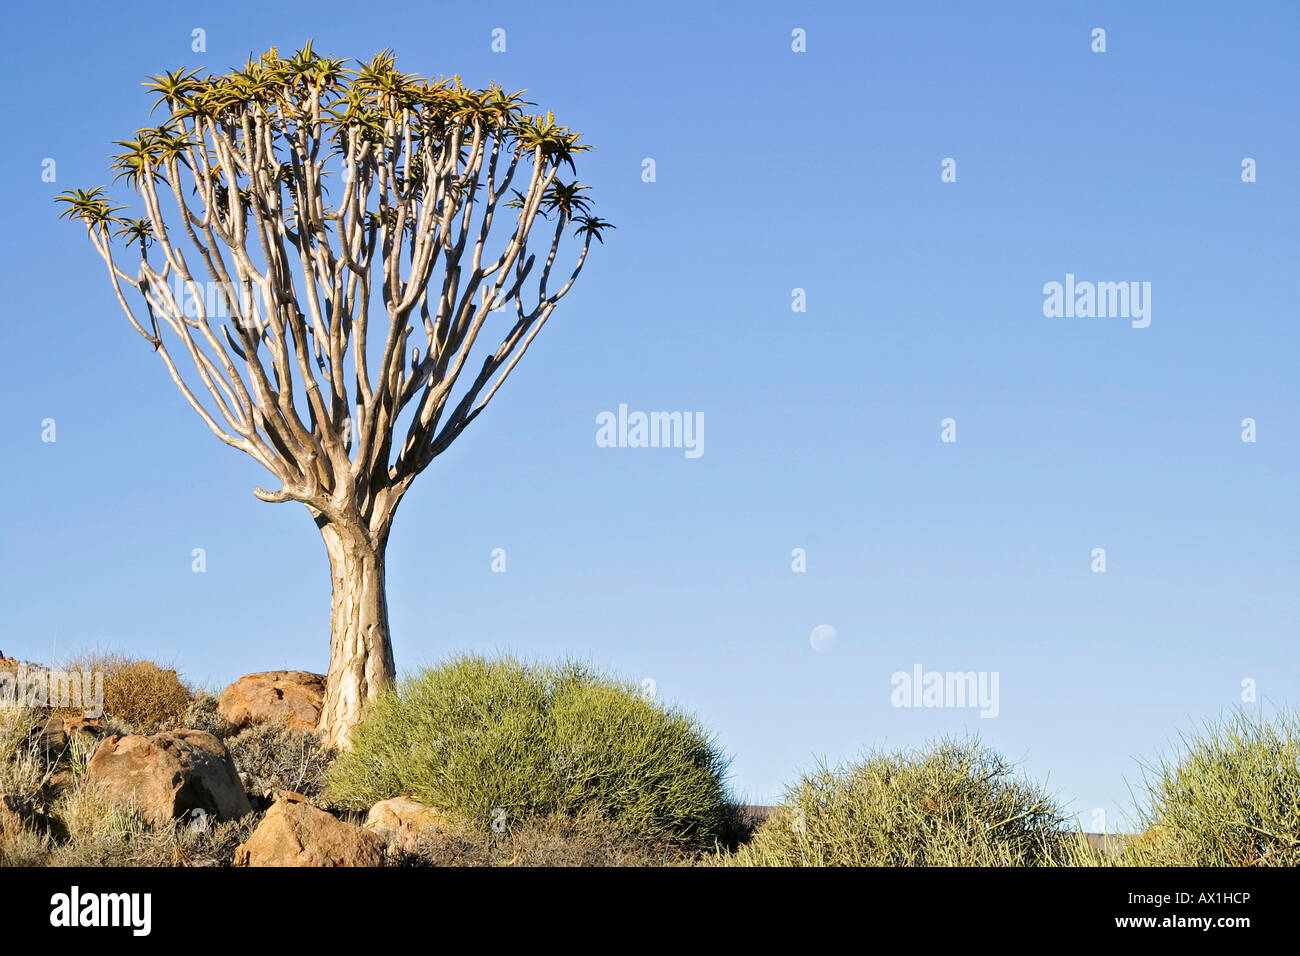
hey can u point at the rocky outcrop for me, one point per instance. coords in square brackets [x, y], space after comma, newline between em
[294, 833]
[295, 697]
[169, 774]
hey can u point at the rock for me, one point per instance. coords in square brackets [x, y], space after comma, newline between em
[169, 774]
[50, 737]
[85, 726]
[294, 833]
[400, 812]
[295, 697]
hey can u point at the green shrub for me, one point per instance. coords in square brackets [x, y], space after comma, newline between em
[1231, 799]
[499, 741]
[954, 803]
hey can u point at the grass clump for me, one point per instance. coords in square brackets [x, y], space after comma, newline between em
[37, 759]
[143, 695]
[953, 803]
[25, 848]
[92, 833]
[1231, 798]
[498, 742]
[25, 766]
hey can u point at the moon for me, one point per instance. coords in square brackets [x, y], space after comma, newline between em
[822, 638]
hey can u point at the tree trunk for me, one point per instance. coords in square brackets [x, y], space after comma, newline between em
[361, 654]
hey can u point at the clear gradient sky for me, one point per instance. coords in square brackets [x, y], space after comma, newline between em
[775, 170]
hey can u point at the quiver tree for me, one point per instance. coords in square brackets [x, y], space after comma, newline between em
[287, 207]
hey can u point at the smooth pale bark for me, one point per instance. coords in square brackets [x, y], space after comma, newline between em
[361, 652]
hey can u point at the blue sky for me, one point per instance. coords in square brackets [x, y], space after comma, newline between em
[775, 170]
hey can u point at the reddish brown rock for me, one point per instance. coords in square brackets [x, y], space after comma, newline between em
[294, 833]
[295, 697]
[169, 774]
[82, 725]
[404, 812]
[48, 734]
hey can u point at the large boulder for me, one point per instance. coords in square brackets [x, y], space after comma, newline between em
[294, 833]
[404, 813]
[168, 775]
[296, 697]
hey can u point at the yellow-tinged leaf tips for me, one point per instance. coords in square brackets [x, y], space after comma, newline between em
[88, 206]
[310, 104]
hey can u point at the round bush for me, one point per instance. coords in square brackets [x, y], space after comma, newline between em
[497, 741]
[138, 693]
[144, 695]
[954, 803]
[1231, 799]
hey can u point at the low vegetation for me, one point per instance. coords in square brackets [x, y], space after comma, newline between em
[141, 696]
[275, 756]
[557, 840]
[559, 765]
[1228, 796]
[955, 803]
[496, 742]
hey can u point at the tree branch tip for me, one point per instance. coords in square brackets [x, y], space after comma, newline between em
[273, 497]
